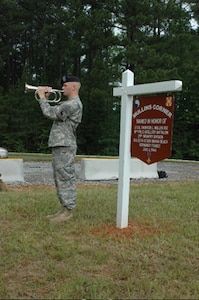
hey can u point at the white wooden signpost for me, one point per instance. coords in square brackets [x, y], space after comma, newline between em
[126, 92]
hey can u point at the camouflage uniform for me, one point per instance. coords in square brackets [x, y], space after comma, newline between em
[66, 117]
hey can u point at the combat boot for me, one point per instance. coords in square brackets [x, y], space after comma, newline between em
[64, 215]
[54, 215]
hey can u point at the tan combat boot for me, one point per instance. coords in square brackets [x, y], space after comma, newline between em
[62, 216]
[54, 215]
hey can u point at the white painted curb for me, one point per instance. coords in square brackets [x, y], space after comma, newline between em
[106, 169]
[11, 170]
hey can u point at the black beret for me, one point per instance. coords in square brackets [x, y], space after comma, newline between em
[69, 79]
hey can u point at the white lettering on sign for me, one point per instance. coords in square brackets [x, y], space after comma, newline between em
[151, 121]
[162, 109]
[154, 107]
[151, 137]
[142, 109]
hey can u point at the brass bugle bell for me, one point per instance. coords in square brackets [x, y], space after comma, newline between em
[56, 93]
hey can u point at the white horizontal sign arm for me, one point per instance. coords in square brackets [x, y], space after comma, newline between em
[150, 88]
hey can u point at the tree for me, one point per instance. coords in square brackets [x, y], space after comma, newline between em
[95, 40]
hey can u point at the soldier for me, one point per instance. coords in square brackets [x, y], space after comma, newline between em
[66, 116]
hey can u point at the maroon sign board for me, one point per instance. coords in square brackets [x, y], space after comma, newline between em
[152, 128]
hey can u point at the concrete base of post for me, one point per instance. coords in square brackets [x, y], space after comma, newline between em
[11, 170]
[107, 169]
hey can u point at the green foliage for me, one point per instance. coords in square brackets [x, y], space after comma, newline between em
[97, 40]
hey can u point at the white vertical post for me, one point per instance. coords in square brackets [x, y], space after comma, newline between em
[124, 151]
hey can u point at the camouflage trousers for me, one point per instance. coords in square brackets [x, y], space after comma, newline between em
[63, 163]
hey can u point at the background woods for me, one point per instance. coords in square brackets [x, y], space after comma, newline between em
[96, 40]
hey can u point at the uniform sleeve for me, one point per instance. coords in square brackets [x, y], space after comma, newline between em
[57, 112]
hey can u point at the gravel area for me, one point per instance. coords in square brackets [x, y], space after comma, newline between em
[40, 173]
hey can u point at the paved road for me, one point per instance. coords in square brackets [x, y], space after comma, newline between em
[36, 173]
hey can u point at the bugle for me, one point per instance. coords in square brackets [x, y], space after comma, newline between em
[56, 93]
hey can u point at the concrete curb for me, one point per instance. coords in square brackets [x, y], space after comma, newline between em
[11, 170]
[107, 169]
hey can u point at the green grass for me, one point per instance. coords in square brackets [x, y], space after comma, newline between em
[31, 156]
[156, 257]
[35, 157]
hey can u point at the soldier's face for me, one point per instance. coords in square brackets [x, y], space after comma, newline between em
[67, 88]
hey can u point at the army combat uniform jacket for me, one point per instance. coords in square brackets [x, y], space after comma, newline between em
[66, 117]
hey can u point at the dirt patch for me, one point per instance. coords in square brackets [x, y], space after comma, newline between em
[30, 187]
[84, 186]
[133, 229]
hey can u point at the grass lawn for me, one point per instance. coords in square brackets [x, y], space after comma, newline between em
[156, 257]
